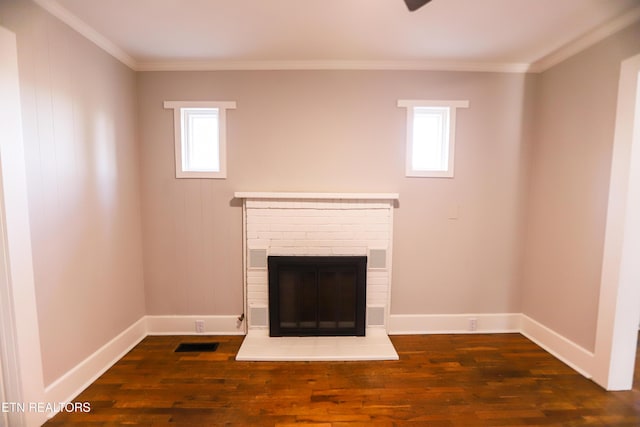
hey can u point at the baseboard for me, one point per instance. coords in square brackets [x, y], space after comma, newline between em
[72, 383]
[407, 324]
[575, 356]
[570, 353]
[186, 325]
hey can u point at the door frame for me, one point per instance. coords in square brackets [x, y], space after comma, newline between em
[20, 341]
[619, 304]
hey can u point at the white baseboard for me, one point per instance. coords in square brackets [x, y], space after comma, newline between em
[186, 325]
[407, 324]
[562, 348]
[72, 383]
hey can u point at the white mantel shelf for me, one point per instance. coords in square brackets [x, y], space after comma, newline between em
[315, 196]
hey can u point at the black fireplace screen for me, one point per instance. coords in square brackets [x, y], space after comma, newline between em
[317, 296]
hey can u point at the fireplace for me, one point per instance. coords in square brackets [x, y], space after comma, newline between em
[324, 228]
[317, 295]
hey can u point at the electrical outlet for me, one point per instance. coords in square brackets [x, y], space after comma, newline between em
[473, 324]
[200, 326]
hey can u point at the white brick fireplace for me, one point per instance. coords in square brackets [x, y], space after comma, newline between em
[317, 224]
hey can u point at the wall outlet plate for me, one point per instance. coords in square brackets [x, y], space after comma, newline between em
[473, 324]
[200, 326]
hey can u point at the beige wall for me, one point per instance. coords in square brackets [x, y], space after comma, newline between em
[339, 131]
[571, 159]
[82, 160]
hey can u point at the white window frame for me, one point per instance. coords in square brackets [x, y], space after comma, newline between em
[180, 143]
[448, 108]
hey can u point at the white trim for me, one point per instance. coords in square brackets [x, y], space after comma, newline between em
[87, 32]
[585, 41]
[185, 325]
[74, 381]
[71, 384]
[314, 196]
[328, 64]
[200, 104]
[562, 348]
[407, 324]
[221, 107]
[4, 417]
[433, 103]
[9, 360]
[545, 62]
[20, 331]
[448, 139]
[570, 353]
[618, 309]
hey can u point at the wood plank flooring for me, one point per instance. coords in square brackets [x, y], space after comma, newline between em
[440, 380]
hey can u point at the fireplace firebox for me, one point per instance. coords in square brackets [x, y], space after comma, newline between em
[317, 295]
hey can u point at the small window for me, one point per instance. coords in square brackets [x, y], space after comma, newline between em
[431, 137]
[200, 138]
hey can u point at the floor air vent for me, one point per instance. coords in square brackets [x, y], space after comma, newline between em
[196, 347]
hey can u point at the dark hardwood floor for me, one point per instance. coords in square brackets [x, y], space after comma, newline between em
[440, 380]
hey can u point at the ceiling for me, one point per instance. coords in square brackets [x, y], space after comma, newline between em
[502, 35]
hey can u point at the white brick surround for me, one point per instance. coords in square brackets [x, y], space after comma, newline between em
[320, 224]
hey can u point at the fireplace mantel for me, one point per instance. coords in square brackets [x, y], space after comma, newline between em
[256, 195]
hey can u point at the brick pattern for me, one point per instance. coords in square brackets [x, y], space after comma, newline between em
[319, 227]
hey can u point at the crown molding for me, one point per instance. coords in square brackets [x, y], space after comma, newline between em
[261, 65]
[586, 40]
[57, 10]
[86, 31]
[542, 64]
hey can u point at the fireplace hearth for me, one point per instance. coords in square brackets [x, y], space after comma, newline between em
[317, 295]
